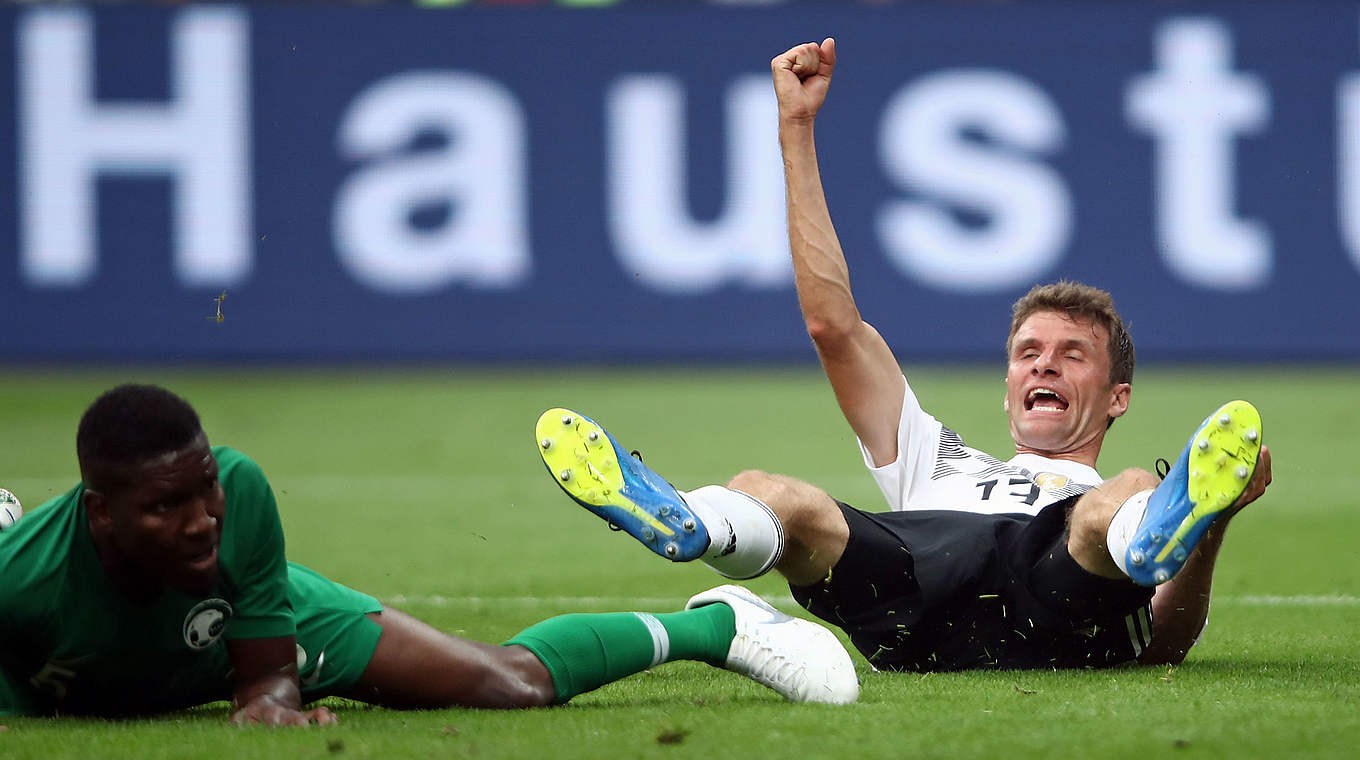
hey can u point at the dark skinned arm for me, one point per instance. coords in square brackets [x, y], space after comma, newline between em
[266, 684]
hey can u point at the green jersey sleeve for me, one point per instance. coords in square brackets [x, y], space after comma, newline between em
[251, 553]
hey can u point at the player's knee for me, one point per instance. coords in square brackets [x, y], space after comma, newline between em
[771, 490]
[514, 678]
[1135, 480]
[786, 497]
[761, 485]
[806, 512]
[781, 493]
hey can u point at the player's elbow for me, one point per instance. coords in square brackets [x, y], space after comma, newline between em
[834, 331]
[1156, 655]
[1169, 646]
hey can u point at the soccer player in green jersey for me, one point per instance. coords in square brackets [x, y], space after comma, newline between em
[160, 582]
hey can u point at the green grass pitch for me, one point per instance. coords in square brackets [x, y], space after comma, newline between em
[424, 489]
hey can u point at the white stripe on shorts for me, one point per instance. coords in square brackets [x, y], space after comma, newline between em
[661, 641]
[1135, 634]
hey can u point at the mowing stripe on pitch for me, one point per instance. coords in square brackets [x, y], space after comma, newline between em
[629, 602]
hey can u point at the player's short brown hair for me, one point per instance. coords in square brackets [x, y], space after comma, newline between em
[1082, 302]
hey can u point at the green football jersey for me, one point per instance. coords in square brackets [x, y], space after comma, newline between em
[71, 643]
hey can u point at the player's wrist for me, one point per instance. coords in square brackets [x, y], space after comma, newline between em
[796, 124]
[281, 693]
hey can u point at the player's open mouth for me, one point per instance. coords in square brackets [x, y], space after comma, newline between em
[205, 561]
[1045, 400]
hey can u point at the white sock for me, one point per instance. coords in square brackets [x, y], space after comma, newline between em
[1123, 525]
[745, 538]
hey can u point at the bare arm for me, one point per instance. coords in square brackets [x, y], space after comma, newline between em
[1180, 606]
[863, 372]
[266, 684]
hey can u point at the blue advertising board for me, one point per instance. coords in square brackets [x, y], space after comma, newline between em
[397, 183]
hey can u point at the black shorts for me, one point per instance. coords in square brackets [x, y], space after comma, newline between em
[934, 590]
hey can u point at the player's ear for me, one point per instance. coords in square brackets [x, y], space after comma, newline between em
[1119, 399]
[97, 507]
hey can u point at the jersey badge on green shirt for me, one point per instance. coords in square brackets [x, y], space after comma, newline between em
[205, 622]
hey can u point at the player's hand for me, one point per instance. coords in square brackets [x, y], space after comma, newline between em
[1259, 481]
[802, 76]
[268, 711]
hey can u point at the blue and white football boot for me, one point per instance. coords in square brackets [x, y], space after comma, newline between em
[601, 476]
[1208, 477]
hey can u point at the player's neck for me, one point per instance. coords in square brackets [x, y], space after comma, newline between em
[1086, 454]
[125, 577]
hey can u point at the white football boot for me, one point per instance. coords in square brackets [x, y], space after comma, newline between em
[797, 658]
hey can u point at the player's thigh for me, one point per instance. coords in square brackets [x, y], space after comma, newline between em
[350, 645]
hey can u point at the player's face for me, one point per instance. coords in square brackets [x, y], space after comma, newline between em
[1058, 390]
[166, 525]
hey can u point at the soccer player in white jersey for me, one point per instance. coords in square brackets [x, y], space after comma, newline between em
[1032, 562]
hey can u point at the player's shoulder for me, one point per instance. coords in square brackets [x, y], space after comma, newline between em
[35, 551]
[234, 467]
[249, 496]
[228, 457]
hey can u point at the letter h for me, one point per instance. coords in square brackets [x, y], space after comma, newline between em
[199, 138]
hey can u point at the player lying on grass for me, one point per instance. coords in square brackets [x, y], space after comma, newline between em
[1031, 562]
[160, 582]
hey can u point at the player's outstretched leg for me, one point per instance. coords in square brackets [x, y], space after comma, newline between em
[1207, 478]
[601, 476]
[797, 658]
[416, 666]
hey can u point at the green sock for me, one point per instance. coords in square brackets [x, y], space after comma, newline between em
[584, 652]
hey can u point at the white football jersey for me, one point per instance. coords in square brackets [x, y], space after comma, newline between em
[935, 470]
